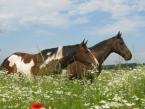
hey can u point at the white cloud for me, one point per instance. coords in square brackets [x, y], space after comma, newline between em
[124, 25]
[81, 20]
[44, 33]
[116, 8]
[15, 12]
[58, 13]
[125, 14]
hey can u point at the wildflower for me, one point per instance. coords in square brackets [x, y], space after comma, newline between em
[105, 106]
[96, 107]
[135, 98]
[129, 104]
[86, 104]
[102, 102]
[36, 105]
[59, 92]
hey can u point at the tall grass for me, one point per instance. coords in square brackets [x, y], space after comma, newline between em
[113, 89]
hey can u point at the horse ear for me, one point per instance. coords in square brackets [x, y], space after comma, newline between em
[119, 34]
[83, 43]
[86, 42]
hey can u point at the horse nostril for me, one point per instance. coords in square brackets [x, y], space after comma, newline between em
[128, 57]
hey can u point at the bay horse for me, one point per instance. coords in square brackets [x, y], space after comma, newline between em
[101, 51]
[28, 64]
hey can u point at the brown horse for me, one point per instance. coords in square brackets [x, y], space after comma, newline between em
[101, 51]
[33, 63]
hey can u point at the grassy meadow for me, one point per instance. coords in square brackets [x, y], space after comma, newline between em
[118, 88]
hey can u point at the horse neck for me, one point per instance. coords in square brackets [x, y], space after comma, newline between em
[102, 50]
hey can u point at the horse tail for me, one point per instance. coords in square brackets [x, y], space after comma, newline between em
[3, 64]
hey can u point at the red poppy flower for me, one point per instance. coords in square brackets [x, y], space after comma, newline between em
[36, 105]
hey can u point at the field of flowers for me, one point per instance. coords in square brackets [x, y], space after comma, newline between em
[113, 89]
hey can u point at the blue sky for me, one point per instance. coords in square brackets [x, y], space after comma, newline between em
[31, 25]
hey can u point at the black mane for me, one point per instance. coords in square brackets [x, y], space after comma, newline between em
[66, 51]
[100, 44]
[69, 50]
[51, 51]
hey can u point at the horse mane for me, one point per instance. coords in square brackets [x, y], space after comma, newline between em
[67, 50]
[100, 44]
[51, 50]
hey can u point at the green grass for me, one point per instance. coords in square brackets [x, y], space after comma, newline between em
[113, 89]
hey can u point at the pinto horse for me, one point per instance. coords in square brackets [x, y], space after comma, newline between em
[101, 51]
[28, 64]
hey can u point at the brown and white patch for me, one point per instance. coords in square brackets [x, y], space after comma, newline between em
[56, 56]
[21, 66]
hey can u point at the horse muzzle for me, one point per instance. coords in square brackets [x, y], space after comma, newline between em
[129, 57]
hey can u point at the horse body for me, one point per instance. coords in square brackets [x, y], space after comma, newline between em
[101, 51]
[33, 63]
[17, 62]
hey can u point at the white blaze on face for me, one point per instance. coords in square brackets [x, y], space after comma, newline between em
[95, 59]
[24, 68]
[56, 56]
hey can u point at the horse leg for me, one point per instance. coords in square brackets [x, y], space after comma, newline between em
[99, 70]
[91, 77]
[11, 70]
[73, 76]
